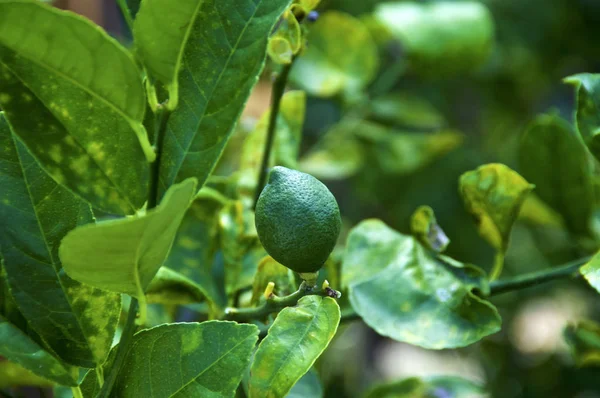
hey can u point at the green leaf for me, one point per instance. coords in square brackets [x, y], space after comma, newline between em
[425, 228]
[221, 60]
[19, 348]
[309, 386]
[341, 57]
[430, 303]
[171, 287]
[296, 339]
[553, 158]
[583, 339]
[287, 40]
[124, 255]
[404, 152]
[457, 35]
[64, 79]
[185, 360]
[536, 212]
[338, 155]
[13, 375]
[434, 386]
[407, 111]
[493, 194]
[270, 270]
[196, 244]
[591, 271]
[36, 214]
[286, 145]
[587, 90]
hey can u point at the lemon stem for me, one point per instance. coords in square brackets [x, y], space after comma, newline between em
[274, 304]
[276, 95]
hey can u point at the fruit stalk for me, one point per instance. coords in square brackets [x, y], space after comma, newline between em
[274, 304]
[276, 95]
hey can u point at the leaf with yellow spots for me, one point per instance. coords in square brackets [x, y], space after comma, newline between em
[209, 54]
[183, 360]
[196, 245]
[286, 145]
[124, 255]
[341, 58]
[19, 348]
[296, 339]
[75, 98]
[403, 292]
[76, 321]
[494, 193]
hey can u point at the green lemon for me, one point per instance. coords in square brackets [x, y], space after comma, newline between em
[297, 220]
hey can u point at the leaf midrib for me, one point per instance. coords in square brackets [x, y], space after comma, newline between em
[212, 364]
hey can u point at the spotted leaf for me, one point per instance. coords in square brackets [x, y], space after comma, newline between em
[409, 295]
[76, 321]
[75, 98]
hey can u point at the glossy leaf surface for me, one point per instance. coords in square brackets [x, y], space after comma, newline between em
[409, 295]
[183, 360]
[36, 214]
[64, 79]
[222, 58]
[295, 340]
[342, 57]
[553, 158]
[124, 255]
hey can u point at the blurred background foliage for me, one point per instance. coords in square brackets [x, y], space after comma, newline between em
[402, 98]
[393, 118]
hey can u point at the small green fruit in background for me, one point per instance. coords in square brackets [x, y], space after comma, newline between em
[297, 220]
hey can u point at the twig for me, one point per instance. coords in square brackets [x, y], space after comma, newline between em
[274, 304]
[567, 270]
[276, 94]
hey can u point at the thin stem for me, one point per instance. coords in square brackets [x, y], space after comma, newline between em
[76, 392]
[153, 198]
[567, 270]
[498, 266]
[276, 94]
[126, 14]
[274, 304]
[122, 349]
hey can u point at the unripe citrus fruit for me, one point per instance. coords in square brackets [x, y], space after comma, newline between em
[297, 220]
